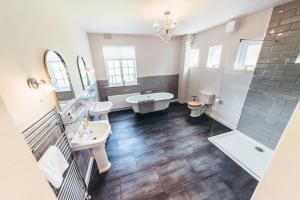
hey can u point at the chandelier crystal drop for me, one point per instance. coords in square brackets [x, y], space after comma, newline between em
[165, 28]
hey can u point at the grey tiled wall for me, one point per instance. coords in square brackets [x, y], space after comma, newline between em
[165, 83]
[275, 87]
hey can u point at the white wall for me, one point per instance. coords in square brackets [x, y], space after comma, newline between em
[28, 28]
[153, 57]
[281, 180]
[226, 82]
[20, 176]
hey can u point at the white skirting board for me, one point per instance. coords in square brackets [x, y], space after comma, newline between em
[218, 119]
[174, 101]
[89, 171]
[242, 149]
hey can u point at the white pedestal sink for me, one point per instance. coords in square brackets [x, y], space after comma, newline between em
[94, 137]
[101, 109]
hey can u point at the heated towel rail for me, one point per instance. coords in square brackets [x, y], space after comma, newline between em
[47, 131]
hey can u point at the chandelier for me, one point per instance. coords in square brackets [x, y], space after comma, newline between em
[165, 28]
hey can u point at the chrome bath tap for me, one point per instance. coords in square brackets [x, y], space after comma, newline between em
[148, 92]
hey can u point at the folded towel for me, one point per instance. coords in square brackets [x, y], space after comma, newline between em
[146, 106]
[53, 165]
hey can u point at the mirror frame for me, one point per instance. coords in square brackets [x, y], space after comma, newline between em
[87, 74]
[67, 71]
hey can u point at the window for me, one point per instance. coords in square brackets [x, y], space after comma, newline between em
[247, 55]
[120, 65]
[194, 57]
[214, 56]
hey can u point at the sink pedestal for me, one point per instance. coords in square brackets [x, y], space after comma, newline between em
[102, 161]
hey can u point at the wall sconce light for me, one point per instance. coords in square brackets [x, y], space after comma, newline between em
[35, 84]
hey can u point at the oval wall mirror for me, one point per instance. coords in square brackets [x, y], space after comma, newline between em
[83, 72]
[59, 75]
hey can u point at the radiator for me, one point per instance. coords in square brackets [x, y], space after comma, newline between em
[119, 101]
[48, 131]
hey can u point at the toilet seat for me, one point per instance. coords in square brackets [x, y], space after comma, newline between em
[195, 104]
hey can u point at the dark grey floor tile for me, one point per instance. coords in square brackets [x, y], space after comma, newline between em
[210, 189]
[109, 189]
[175, 175]
[122, 166]
[177, 153]
[179, 195]
[123, 158]
[198, 142]
[123, 143]
[150, 159]
[177, 143]
[204, 164]
[148, 174]
[182, 195]
[114, 193]
[141, 185]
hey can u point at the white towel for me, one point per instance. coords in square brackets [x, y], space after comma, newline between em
[53, 165]
[146, 106]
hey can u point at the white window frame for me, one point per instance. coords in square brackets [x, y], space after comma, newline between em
[242, 52]
[210, 52]
[123, 82]
[121, 67]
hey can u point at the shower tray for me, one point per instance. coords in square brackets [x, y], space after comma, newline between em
[251, 155]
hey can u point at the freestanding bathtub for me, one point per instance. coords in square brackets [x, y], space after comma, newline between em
[161, 100]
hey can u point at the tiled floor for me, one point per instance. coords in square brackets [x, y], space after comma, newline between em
[167, 156]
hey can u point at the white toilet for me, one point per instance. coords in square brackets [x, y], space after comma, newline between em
[198, 107]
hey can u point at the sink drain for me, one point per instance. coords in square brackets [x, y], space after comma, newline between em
[94, 138]
[259, 149]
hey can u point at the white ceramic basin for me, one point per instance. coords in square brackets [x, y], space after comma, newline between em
[95, 134]
[94, 137]
[100, 108]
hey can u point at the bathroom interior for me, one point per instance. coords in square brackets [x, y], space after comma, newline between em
[139, 99]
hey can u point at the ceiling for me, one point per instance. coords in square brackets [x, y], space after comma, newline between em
[138, 16]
